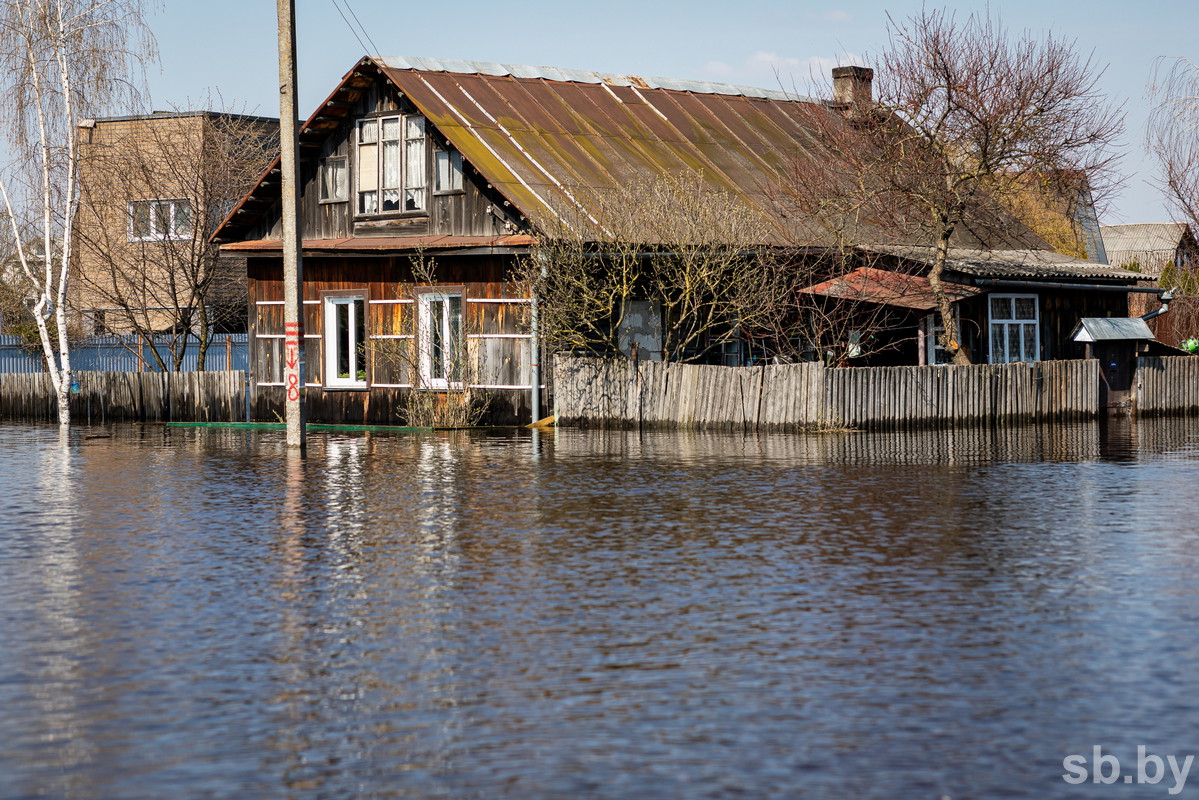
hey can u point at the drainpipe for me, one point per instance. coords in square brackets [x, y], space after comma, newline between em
[1165, 300]
[535, 349]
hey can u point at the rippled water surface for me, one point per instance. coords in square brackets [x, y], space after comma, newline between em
[190, 613]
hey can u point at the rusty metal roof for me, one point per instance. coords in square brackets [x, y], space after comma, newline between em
[888, 288]
[546, 138]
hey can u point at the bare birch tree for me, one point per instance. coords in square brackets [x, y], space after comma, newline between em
[61, 60]
[962, 114]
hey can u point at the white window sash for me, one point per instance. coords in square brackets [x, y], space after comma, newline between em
[1011, 339]
[440, 324]
[334, 341]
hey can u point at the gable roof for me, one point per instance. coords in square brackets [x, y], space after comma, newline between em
[1111, 329]
[545, 138]
[548, 140]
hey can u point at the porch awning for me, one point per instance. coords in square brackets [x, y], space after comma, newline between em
[884, 287]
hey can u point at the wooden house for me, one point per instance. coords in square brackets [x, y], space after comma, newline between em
[424, 181]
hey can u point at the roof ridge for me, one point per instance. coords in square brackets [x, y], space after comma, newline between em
[495, 69]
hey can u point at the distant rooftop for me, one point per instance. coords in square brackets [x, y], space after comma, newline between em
[85, 123]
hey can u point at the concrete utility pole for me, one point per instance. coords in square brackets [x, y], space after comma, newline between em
[293, 271]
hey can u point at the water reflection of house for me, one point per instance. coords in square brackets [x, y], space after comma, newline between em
[465, 163]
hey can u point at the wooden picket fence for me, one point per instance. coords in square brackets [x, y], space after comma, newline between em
[617, 393]
[1168, 385]
[129, 396]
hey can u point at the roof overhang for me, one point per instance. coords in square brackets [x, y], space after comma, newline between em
[884, 287]
[375, 245]
[1031, 265]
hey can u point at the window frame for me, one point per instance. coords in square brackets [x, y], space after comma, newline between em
[171, 235]
[424, 301]
[1013, 321]
[457, 171]
[326, 162]
[935, 354]
[379, 184]
[330, 340]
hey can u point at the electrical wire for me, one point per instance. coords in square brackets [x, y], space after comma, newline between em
[373, 49]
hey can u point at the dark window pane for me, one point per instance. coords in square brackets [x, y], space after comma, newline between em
[343, 340]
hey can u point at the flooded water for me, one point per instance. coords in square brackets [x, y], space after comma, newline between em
[192, 613]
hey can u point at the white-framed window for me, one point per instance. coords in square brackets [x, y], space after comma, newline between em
[1014, 328]
[448, 171]
[441, 344]
[934, 352]
[335, 180]
[345, 340]
[392, 175]
[159, 220]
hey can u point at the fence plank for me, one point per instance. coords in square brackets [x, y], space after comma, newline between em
[129, 396]
[806, 396]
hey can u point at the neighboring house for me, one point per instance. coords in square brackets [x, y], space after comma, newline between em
[1151, 247]
[1012, 305]
[1167, 255]
[1060, 208]
[460, 164]
[152, 189]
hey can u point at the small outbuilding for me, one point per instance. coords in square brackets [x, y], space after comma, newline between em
[1116, 342]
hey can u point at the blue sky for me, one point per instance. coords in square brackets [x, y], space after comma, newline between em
[226, 48]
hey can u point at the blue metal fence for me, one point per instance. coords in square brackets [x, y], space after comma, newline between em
[228, 351]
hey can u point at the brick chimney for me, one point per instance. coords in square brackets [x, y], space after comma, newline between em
[851, 86]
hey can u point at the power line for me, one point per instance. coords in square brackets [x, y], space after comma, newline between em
[362, 27]
[373, 49]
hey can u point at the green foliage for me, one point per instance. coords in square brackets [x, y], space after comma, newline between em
[1184, 281]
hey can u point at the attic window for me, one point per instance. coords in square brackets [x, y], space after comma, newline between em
[391, 164]
[333, 180]
[449, 171]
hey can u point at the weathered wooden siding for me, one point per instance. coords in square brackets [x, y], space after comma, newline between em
[130, 396]
[475, 210]
[598, 392]
[1167, 386]
[495, 323]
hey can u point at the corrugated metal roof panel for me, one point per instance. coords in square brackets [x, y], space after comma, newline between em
[1146, 236]
[576, 76]
[1034, 264]
[544, 136]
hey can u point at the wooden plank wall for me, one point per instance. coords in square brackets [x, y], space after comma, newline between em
[615, 393]
[1167, 385]
[129, 396]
